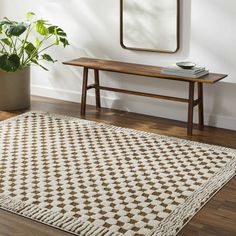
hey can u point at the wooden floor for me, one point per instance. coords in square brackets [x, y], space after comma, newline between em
[217, 218]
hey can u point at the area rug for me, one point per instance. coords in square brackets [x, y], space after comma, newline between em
[93, 179]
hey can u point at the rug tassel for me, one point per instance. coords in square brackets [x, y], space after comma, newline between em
[65, 222]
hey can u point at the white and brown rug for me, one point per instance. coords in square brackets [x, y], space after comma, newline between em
[94, 179]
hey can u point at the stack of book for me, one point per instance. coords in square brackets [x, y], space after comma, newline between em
[195, 72]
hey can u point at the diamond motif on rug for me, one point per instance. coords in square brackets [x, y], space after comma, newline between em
[94, 179]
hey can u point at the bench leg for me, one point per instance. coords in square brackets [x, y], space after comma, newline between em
[84, 92]
[200, 107]
[190, 108]
[97, 90]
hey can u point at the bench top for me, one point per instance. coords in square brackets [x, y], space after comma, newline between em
[138, 69]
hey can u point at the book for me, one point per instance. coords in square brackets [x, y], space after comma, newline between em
[179, 73]
[176, 69]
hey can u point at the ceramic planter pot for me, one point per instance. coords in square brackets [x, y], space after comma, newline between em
[15, 90]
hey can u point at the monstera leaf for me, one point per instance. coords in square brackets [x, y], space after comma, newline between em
[16, 29]
[41, 27]
[48, 58]
[7, 42]
[9, 63]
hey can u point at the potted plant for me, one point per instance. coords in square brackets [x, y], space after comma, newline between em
[23, 44]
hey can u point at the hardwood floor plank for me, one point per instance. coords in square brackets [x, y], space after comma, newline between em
[14, 225]
[217, 218]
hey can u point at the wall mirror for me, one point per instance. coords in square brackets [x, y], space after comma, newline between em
[150, 25]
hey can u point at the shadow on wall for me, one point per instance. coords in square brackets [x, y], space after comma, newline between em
[2, 8]
[219, 103]
[84, 40]
[185, 28]
[223, 98]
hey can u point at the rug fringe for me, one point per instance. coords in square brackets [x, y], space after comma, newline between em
[177, 220]
[65, 222]
[10, 203]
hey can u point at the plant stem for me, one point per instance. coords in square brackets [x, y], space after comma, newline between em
[46, 48]
[21, 54]
[36, 53]
[3, 47]
[15, 44]
[13, 48]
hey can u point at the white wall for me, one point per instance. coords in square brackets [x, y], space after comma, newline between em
[208, 38]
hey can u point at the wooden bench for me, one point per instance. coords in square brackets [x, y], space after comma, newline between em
[143, 70]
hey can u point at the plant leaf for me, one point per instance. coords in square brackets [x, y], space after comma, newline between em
[42, 67]
[30, 15]
[9, 63]
[4, 25]
[52, 29]
[47, 58]
[56, 30]
[57, 38]
[41, 28]
[36, 62]
[16, 30]
[9, 21]
[30, 48]
[60, 32]
[3, 63]
[14, 62]
[4, 22]
[7, 42]
[64, 41]
[38, 42]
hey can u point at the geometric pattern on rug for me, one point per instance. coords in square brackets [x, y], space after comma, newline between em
[90, 178]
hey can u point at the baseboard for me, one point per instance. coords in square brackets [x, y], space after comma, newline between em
[61, 94]
[214, 120]
[67, 95]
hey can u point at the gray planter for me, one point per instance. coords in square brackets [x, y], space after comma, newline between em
[15, 90]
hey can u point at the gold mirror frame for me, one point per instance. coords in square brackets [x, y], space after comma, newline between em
[150, 49]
